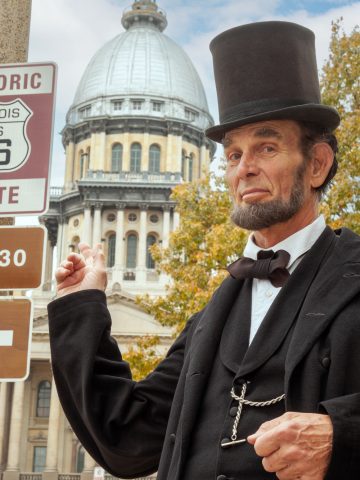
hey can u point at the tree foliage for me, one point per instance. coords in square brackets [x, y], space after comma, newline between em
[340, 84]
[198, 253]
[143, 356]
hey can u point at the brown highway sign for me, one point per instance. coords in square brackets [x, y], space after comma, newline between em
[22, 252]
[15, 338]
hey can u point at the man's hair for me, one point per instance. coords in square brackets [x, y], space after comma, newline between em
[311, 134]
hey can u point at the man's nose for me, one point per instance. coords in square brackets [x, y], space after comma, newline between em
[247, 166]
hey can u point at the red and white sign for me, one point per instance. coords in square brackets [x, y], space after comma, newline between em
[27, 93]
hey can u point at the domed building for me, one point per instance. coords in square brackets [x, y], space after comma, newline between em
[133, 132]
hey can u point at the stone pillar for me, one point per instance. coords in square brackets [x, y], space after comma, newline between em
[141, 264]
[169, 153]
[120, 233]
[126, 152]
[13, 465]
[97, 225]
[65, 240]
[3, 411]
[87, 225]
[48, 265]
[166, 227]
[145, 153]
[176, 162]
[89, 465]
[176, 222]
[203, 167]
[51, 466]
[14, 33]
[70, 165]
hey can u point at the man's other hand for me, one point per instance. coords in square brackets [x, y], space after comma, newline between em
[82, 271]
[295, 445]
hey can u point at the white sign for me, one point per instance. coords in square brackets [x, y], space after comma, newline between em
[14, 142]
[27, 93]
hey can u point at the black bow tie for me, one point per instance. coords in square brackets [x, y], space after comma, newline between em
[271, 265]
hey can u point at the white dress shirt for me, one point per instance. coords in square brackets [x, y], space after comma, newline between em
[263, 292]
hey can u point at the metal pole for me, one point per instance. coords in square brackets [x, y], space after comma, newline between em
[14, 41]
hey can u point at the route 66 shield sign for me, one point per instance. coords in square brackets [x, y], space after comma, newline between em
[14, 117]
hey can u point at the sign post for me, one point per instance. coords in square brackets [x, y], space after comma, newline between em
[26, 117]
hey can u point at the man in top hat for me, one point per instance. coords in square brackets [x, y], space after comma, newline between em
[263, 382]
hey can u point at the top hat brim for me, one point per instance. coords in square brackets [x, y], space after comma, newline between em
[322, 115]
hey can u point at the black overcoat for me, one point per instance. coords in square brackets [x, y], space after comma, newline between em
[135, 428]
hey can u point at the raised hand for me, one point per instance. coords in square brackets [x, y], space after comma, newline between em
[82, 271]
[295, 445]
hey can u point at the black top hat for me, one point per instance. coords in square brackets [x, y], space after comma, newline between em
[267, 71]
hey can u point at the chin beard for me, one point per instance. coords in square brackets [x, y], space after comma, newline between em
[257, 216]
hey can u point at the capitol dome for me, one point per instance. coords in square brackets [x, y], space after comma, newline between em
[142, 64]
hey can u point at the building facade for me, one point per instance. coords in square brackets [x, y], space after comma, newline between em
[134, 131]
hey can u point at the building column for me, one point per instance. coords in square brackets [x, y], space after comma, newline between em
[166, 227]
[12, 471]
[203, 167]
[87, 225]
[97, 225]
[120, 233]
[48, 266]
[169, 153]
[3, 416]
[141, 264]
[176, 221]
[51, 465]
[65, 240]
[89, 465]
[145, 153]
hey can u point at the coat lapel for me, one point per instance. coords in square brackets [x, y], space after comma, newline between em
[337, 283]
[285, 309]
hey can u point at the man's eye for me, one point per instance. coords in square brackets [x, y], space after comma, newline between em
[268, 149]
[233, 157]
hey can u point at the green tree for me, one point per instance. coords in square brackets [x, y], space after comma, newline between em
[340, 86]
[198, 252]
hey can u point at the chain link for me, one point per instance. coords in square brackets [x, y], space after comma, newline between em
[242, 401]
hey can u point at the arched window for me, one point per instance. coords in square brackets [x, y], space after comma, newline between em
[131, 251]
[191, 167]
[135, 158]
[43, 399]
[183, 164]
[154, 159]
[150, 263]
[80, 459]
[111, 250]
[116, 158]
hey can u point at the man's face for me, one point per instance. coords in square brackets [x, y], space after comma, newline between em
[266, 173]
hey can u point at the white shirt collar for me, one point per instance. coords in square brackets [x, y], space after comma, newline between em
[297, 244]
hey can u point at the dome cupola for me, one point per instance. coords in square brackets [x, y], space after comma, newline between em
[142, 12]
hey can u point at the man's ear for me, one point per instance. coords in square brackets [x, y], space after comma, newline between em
[322, 158]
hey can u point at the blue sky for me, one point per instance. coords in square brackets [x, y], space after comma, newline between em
[70, 32]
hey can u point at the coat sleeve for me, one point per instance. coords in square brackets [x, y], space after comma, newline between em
[120, 422]
[345, 416]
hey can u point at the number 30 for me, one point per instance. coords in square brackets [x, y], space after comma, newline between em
[19, 258]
